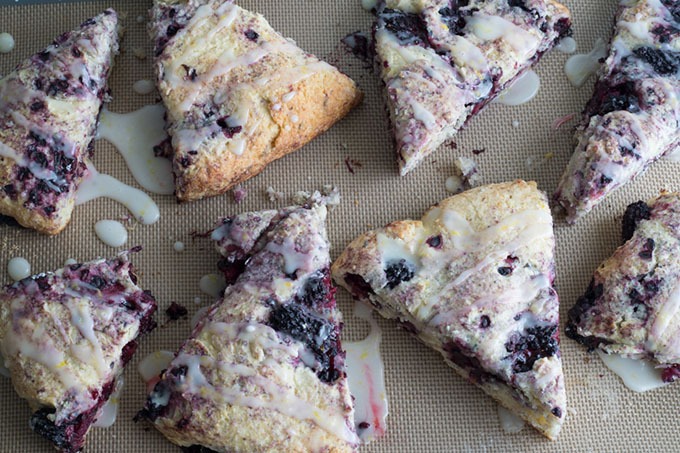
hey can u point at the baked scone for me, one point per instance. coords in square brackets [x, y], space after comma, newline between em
[631, 305]
[473, 280]
[238, 94]
[49, 107]
[264, 368]
[66, 337]
[442, 61]
[633, 116]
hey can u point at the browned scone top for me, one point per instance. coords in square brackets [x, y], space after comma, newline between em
[48, 118]
[238, 94]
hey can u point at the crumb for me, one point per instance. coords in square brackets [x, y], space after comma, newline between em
[274, 196]
[477, 152]
[239, 193]
[453, 145]
[302, 197]
[549, 156]
[465, 176]
[176, 311]
[359, 44]
[351, 164]
[139, 53]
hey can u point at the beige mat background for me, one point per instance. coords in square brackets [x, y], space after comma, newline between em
[431, 409]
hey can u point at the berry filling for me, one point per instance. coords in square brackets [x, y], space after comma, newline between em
[408, 28]
[319, 335]
[664, 62]
[360, 288]
[535, 344]
[176, 311]
[398, 272]
[635, 213]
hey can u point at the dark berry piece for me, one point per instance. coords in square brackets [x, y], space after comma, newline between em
[57, 87]
[191, 72]
[49, 210]
[197, 449]
[37, 106]
[484, 321]
[647, 249]
[398, 272]
[10, 190]
[98, 282]
[663, 62]
[156, 402]
[535, 344]
[671, 373]
[435, 241]
[176, 311]
[76, 52]
[315, 292]
[184, 161]
[557, 412]
[635, 213]
[505, 271]
[172, 29]
[41, 424]
[453, 18]
[23, 174]
[180, 371]
[163, 149]
[319, 336]
[459, 355]
[364, 425]
[252, 35]
[229, 131]
[604, 181]
[408, 28]
[359, 287]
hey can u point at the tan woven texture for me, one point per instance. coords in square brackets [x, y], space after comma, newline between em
[431, 409]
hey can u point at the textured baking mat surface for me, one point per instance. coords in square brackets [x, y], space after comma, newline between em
[431, 408]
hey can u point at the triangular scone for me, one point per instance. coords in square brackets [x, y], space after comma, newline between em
[442, 61]
[633, 117]
[264, 368]
[66, 337]
[473, 280]
[238, 94]
[49, 107]
[632, 306]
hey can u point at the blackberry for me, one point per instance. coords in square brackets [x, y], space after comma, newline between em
[359, 287]
[635, 212]
[435, 241]
[398, 272]
[176, 311]
[408, 28]
[647, 249]
[535, 344]
[663, 62]
[251, 35]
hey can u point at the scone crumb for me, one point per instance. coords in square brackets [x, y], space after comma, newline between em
[274, 195]
[239, 193]
[139, 53]
[465, 175]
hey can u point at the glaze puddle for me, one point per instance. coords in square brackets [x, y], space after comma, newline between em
[111, 232]
[151, 366]
[18, 268]
[639, 375]
[109, 411]
[522, 90]
[366, 378]
[134, 135]
[580, 67]
[97, 185]
[510, 423]
[213, 285]
[567, 45]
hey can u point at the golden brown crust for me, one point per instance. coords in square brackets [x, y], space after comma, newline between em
[238, 94]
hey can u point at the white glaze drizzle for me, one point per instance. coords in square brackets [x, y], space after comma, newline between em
[18, 268]
[366, 379]
[143, 87]
[639, 375]
[275, 396]
[81, 318]
[111, 232]
[97, 185]
[491, 28]
[292, 259]
[134, 135]
[580, 67]
[522, 90]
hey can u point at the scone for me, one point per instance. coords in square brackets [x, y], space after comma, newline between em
[443, 61]
[631, 306]
[49, 107]
[633, 117]
[264, 369]
[238, 94]
[66, 337]
[474, 280]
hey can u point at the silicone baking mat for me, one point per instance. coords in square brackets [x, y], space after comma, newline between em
[431, 408]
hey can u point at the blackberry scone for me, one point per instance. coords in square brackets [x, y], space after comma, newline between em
[633, 116]
[442, 61]
[66, 338]
[238, 94]
[49, 107]
[474, 280]
[632, 305]
[263, 369]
